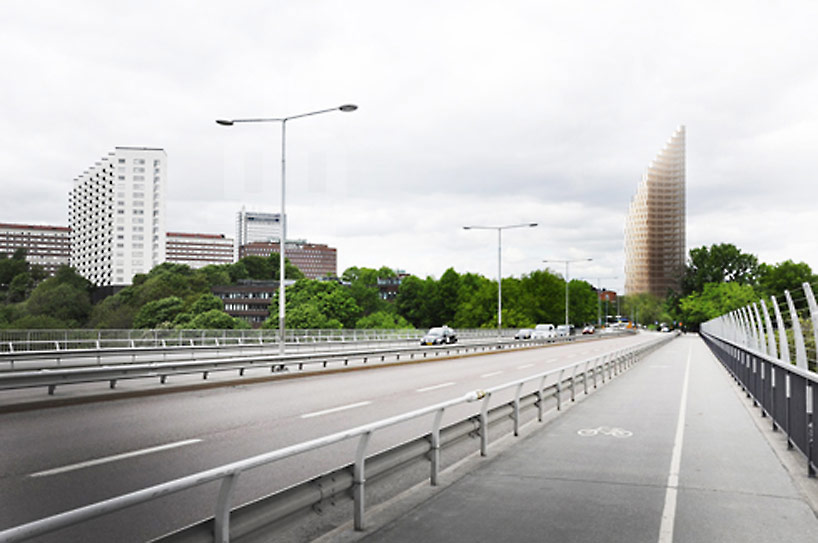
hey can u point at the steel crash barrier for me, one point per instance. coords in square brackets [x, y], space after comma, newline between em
[755, 347]
[348, 486]
[160, 368]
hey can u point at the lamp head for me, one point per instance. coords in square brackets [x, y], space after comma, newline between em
[348, 107]
[224, 122]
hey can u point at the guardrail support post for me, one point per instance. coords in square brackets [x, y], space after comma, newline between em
[517, 410]
[540, 399]
[559, 391]
[787, 413]
[810, 430]
[221, 520]
[484, 426]
[436, 447]
[359, 482]
[585, 377]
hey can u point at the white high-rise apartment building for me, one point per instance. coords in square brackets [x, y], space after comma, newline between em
[254, 226]
[655, 226]
[117, 216]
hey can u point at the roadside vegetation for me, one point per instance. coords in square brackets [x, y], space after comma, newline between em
[716, 280]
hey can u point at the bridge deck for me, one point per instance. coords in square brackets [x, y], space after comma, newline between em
[690, 464]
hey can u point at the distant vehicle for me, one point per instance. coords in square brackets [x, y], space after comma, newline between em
[438, 336]
[664, 328]
[524, 333]
[563, 330]
[544, 331]
[588, 330]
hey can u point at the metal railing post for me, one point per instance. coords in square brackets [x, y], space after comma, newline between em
[517, 410]
[436, 447]
[541, 399]
[484, 426]
[800, 348]
[359, 482]
[221, 520]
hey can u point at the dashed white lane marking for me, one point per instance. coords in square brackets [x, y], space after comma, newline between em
[334, 410]
[669, 511]
[114, 458]
[492, 374]
[524, 366]
[434, 387]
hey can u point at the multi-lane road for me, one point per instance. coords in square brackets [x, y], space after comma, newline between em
[52, 460]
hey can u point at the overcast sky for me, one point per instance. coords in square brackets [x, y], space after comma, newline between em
[470, 112]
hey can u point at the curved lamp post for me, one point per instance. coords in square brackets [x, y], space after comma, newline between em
[500, 264]
[567, 262]
[283, 241]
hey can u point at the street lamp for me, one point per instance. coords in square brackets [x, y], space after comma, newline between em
[283, 241]
[567, 262]
[500, 264]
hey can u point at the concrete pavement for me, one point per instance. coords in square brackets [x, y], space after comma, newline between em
[668, 452]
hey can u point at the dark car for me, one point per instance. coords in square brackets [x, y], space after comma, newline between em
[438, 336]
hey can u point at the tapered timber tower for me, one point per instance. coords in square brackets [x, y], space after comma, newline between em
[655, 227]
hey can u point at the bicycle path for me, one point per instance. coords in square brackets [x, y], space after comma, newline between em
[686, 464]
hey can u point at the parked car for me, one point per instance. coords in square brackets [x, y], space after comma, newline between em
[544, 331]
[438, 336]
[588, 330]
[524, 333]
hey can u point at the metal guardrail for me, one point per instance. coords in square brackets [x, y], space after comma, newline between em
[224, 528]
[785, 393]
[773, 357]
[15, 341]
[51, 378]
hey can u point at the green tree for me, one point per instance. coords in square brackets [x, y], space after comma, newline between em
[158, 313]
[65, 296]
[206, 302]
[19, 288]
[410, 301]
[215, 319]
[718, 264]
[364, 288]
[11, 267]
[787, 275]
[477, 302]
[382, 320]
[308, 297]
[715, 300]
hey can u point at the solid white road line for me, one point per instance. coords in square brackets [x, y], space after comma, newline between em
[114, 458]
[435, 387]
[669, 512]
[492, 374]
[335, 410]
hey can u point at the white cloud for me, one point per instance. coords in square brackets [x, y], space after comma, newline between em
[469, 112]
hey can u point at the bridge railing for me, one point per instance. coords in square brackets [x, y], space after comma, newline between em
[770, 349]
[75, 339]
[350, 482]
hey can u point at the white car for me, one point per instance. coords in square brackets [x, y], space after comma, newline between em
[544, 331]
[563, 330]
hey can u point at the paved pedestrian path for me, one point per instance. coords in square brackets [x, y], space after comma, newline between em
[668, 452]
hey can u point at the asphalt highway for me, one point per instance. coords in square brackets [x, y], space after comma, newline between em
[53, 460]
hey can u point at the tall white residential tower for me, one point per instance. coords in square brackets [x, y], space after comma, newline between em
[655, 228]
[117, 216]
[253, 226]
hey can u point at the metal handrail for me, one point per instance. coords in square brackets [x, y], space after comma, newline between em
[229, 472]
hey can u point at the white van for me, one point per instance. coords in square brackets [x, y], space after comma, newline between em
[544, 331]
[563, 330]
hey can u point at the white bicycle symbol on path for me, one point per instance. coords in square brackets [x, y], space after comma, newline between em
[605, 431]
